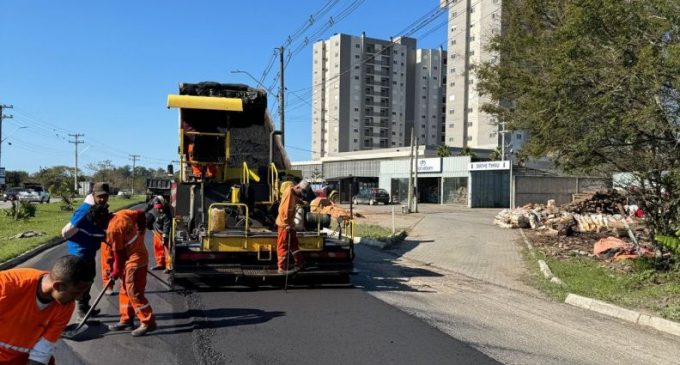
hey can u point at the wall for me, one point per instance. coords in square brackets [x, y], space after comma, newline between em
[539, 189]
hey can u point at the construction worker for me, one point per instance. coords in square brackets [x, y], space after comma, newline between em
[85, 235]
[200, 171]
[125, 233]
[162, 212]
[285, 221]
[36, 306]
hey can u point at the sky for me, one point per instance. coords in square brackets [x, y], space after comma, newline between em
[104, 69]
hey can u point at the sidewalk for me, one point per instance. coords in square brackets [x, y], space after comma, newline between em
[457, 239]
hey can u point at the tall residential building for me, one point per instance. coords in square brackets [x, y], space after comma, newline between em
[368, 93]
[471, 25]
[430, 96]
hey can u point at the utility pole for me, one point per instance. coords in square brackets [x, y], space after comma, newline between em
[415, 181]
[76, 142]
[410, 176]
[2, 116]
[281, 109]
[134, 159]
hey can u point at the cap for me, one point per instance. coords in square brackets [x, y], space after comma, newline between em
[158, 206]
[304, 184]
[101, 188]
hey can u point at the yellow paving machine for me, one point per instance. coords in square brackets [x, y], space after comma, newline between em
[226, 192]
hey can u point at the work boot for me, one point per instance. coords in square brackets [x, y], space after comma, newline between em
[287, 272]
[108, 291]
[121, 326]
[144, 329]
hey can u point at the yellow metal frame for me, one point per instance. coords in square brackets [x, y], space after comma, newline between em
[205, 103]
[274, 183]
[183, 163]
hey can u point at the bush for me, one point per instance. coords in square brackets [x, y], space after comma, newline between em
[20, 210]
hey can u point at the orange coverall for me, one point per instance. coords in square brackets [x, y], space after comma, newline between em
[106, 262]
[131, 261]
[24, 329]
[210, 170]
[286, 219]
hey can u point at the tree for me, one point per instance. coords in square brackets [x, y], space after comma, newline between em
[467, 151]
[15, 178]
[595, 83]
[496, 154]
[443, 151]
[316, 175]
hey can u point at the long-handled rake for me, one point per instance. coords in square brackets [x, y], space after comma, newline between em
[79, 328]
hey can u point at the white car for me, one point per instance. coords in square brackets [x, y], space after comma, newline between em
[36, 194]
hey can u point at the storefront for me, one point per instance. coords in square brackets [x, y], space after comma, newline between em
[441, 180]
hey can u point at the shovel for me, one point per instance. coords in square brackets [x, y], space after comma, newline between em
[82, 326]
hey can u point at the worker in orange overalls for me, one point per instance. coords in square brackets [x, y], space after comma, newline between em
[36, 306]
[199, 171]
[285, 222]
[125, 233]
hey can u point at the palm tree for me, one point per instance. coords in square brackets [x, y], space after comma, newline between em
[443, 151]
[496, 154]
[467, 151]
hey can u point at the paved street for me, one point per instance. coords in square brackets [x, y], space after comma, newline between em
[463, 275]
[453, 292]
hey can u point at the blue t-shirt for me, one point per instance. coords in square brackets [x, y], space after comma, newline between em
[88, 238]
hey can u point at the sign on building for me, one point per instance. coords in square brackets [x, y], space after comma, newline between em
[430, 165]
[490, 165]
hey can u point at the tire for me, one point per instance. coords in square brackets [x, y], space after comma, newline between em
[355, 202]
[48, 200]
[371, 202]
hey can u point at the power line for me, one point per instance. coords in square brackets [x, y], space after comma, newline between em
[76, 142]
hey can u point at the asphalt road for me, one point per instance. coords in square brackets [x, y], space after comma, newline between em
[340, 325]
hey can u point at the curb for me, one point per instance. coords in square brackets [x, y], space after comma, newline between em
[543, 266]
[628, 315]
[54, 241]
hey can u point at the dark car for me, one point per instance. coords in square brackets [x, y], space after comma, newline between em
[372, 196]
[11, 194]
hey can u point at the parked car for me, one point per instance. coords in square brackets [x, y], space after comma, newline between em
[372, 196]
[34, 194]
[11, 194]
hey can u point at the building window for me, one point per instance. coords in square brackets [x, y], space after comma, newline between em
[469, 110]
[356, 45]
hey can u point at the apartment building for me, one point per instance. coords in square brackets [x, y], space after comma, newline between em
[360, 94]
[430, 96]
[471, 25]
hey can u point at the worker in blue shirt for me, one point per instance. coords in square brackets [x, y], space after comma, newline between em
[85, 233]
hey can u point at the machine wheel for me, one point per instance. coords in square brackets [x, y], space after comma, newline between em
[371, 202]
[48, 200]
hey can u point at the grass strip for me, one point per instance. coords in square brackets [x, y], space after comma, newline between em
[49, 219]
[632, 284]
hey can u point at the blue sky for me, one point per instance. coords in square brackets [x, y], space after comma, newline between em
[104, 69]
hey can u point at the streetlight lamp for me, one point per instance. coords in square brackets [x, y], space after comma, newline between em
[252, 77]
[14, 131]
[3, 140]
[281, 106]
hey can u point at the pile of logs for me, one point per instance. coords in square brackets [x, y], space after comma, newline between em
[605, 202]
[591, 212]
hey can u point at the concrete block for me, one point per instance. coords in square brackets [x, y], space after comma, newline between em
[665, 325]
[614, 311]
[578, 301]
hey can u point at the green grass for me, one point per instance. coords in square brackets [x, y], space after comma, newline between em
[372, 231]
[48, 219]
[633, 284]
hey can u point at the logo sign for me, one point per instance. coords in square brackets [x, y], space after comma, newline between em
[430, 165]
[490, 165]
